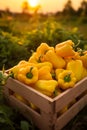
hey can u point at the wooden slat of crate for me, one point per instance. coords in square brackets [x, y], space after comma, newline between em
[42, 101]
[42, 120]
[25, 110]
[49, 108]
[71, 113]
[38, 119]
[69, 95]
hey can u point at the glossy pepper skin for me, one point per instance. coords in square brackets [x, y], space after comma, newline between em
[83, 58]
[22, 62]
[39, 65]
[43, 48]
[66, 79]
[82, 55]
[84, 73]
[69, 42]
[14, 70]
[76, 66]
[44, 73]
[57, 61]
[28, 74]
[46, 87]
[65, 49]
[57, 72]
[35, 58]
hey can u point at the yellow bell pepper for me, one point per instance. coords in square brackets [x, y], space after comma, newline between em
[76, 56]
[63, 110]
[43, 48]
[35, 58]
[28, 74]
[14, 71]
[69, 42]
[81, 55]
[20, 98]
[84, 73]
[46, 87]
[57, 72]
[44, 73]
[39, 65]
[57, 61]
[66, 79]
[77, 67]
[65, 49]
[83, 58]
[34, 107]
[23, 62]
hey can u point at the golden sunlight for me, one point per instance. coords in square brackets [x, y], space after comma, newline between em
[33, 3]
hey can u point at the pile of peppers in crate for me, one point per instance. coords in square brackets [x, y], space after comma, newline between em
[52, 70]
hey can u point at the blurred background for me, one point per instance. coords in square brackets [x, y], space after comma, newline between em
[25, 24]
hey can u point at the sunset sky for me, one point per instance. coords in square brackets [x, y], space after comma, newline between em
[46, 5]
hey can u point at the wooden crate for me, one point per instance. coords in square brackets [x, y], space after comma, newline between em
[48, 117]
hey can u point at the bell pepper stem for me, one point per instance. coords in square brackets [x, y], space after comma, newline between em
[29, 74]
[67, 78]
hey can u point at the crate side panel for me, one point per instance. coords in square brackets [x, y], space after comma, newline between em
[42, 101]
[42, 120]
[6, 91]
[48, 120]
[26, 111]
[69, 95]
[71, 113]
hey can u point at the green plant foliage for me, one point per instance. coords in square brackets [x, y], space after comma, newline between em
[5, 25]
[11, 119]
[26, 125]
[5, 114]
[10, 51]
[3, 78]
[52, 34]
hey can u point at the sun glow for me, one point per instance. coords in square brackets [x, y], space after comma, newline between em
[33, 3]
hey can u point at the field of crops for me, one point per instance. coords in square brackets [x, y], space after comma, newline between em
[28, 32]
[20, 35]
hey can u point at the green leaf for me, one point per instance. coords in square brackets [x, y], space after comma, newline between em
[1, 75]
[2, 119]
[24, 125]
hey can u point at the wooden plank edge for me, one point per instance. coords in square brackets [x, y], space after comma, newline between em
[71, 113]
